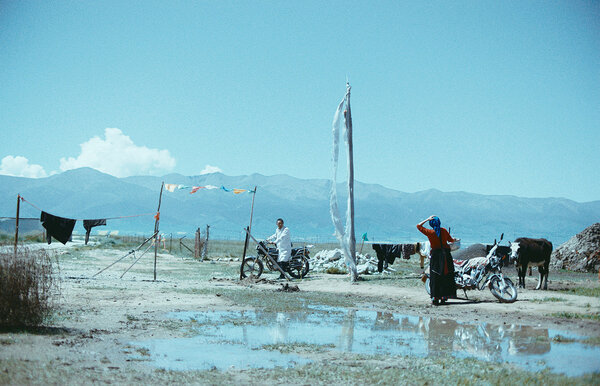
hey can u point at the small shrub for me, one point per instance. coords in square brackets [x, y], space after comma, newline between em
[336, 271]
[27, 287]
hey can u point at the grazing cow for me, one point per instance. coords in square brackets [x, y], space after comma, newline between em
[531, 252]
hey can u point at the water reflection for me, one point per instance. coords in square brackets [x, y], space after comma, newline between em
[370, 332]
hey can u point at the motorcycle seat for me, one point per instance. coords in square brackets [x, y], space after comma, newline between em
[459, 263]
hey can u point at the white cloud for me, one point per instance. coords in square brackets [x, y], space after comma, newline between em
[19, 167]
[211, 169]
[116, 154]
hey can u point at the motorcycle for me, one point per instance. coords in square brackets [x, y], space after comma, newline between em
[481, 272]
[297, 267]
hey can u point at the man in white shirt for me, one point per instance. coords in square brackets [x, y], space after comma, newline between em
[282, 240]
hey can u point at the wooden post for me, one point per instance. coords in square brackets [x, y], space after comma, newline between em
[156, 227]
[244, 254]
[205, 246]
[249, 228]
[252, 209]
[351, 238]
[17, 223]
[197, 244]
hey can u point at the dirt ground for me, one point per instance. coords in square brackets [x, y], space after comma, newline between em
[89, 338]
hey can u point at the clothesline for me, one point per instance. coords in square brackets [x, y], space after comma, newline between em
[106, 218]
[172, 187]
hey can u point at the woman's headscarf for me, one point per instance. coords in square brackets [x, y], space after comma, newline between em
[435, 223]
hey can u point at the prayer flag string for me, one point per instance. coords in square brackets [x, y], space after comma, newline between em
[193, 189]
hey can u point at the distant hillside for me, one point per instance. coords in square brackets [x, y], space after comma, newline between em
[383, 213]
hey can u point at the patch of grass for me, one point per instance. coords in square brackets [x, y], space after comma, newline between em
[400, 278]
[271, 300]
[583, 291]
[143, 351]
[6, 341]
[575, 315]
[336, 271]
[287, 348]
[592, 341]
[563, 339]
[132, 318]
[28, 287]
[548, 299]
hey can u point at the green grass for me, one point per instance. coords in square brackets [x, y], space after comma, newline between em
[298, 347]
[341, 369]
[271, 300]
[583, 291]
[575, 315]
[548, 299]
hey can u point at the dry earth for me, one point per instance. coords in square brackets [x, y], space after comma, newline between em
[89, 339]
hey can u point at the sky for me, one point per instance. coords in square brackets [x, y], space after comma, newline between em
[478, 96]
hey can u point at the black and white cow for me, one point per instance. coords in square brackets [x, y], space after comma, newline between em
[531, 252]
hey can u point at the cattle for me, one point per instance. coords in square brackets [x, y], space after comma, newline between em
[531, 252]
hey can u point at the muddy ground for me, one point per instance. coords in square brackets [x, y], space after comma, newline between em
[92, 336]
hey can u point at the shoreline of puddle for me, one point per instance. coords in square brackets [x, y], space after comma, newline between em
[238, 339]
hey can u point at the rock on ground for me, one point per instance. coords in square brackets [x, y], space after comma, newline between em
[326, 259]
[580, 253]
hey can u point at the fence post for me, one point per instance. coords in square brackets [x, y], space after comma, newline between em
[205, 246]
[197, 244]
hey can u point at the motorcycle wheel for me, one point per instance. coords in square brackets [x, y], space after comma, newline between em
[300, 271]
[251, 267]
[427, 288]
[508, 294]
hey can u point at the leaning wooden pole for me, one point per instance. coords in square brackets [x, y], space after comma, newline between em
[17, 224]
[252, 209]
[156, 228]
[249, 228]
[350, 235]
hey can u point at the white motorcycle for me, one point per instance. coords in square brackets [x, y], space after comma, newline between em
[481, 272]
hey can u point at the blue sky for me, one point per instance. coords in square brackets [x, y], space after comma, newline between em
[486, 97]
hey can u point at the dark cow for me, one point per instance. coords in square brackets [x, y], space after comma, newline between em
[531, 252]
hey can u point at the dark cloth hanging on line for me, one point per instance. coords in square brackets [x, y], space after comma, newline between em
[386, 254]
[58, 227]
[89, 224]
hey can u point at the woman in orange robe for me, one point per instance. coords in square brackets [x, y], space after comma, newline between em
[441, 266]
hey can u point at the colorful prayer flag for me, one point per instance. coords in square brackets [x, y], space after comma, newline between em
[196, 188]
[238, 191]
[171, 187]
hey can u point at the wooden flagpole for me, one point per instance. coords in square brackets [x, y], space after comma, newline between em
[156, 228]
[351, 237]
[17, 223]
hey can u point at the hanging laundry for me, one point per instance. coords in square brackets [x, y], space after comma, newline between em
[238, 191]
[408, 250]
[58, 227]
[386, 254]
[89, 224]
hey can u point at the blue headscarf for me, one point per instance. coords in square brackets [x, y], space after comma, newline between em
[435, 223]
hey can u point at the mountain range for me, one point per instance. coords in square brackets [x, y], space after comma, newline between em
[384, 214]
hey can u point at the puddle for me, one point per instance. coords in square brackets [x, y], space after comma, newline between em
[227, 338]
